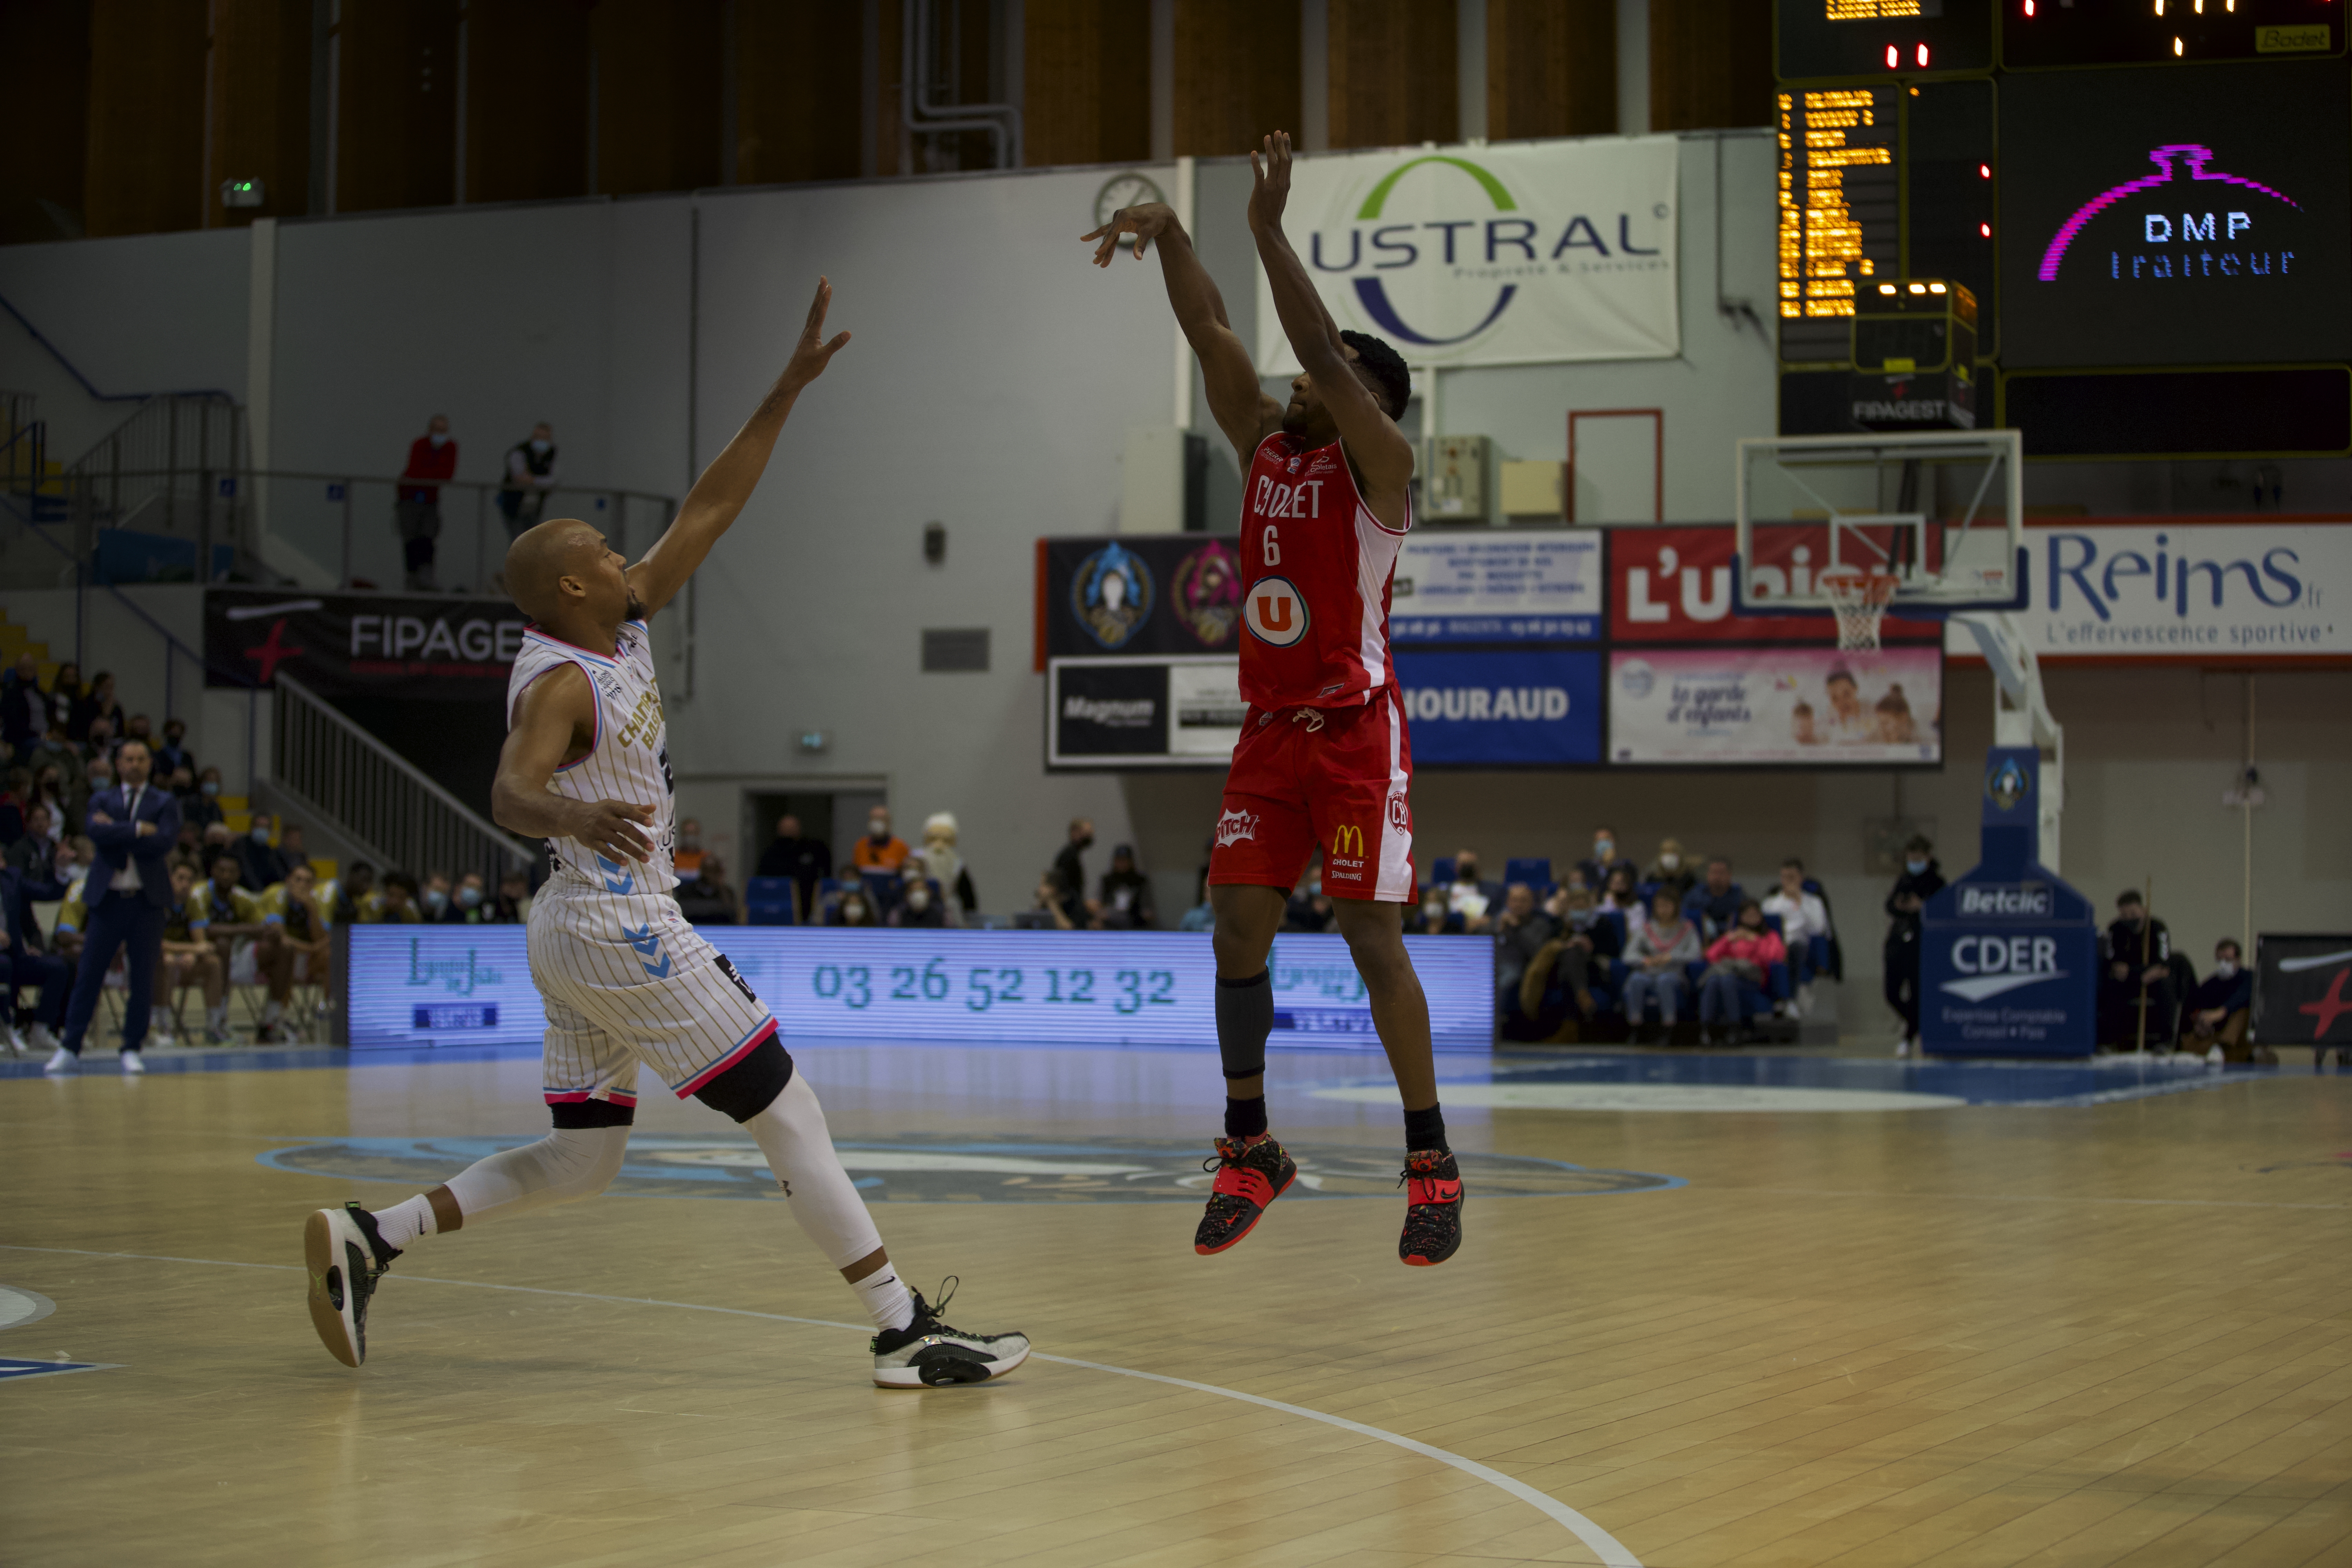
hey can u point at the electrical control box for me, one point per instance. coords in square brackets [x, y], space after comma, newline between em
[1454, 479]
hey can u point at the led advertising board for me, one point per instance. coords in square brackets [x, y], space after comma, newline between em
[470, 985]
[2201, 215]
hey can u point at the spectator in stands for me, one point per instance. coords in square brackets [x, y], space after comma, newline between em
[920, 907]
[24, 708]
[35, 855]
[1467, 896]
[468, 899]
[1656, 958]
[1050, 906]
[138, 728]
[2220, 1009]
[1603, 859]
[1672, 870]
[1804, 929]
[291, 844]
[64, 692]
[685, 855]
[1437, 917]
[13, 802]
[207, 810]
[100, 777]
[1622, 894]
[1126, 895]
[853, 907]
[512, 906]
[708, 900]
[1310, 908]
[394, 903]
[439, 909]
[880, 849]
[1069, 864]
[2136, 980]
[182, 785]
[1922, 878]
[58, 775]
[92, 706]
[1581, 944]
[416, 508]
[1521, 930]
[26, 961]
[1715, 902]
[530, 475]
[264, 864]
[190, 846]
[343, 898]
[172, 754]
[807, 861]
[1742, 956]
[190, 958]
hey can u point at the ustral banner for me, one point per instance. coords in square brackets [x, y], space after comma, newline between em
[1815, 706]
[1519, 255]
[338, 645]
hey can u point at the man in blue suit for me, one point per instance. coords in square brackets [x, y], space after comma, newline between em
[128, 890]
[21, 962]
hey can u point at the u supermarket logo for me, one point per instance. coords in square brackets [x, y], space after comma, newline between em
[1508, 245]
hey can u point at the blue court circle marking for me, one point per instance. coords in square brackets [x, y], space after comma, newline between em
[1612, 1553]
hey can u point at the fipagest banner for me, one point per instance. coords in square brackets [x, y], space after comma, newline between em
[436, 649]
[2157, 590]
[1817, 706]
[1518, 255]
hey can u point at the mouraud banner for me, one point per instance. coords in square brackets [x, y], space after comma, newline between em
[1528, 254]
[2220, 592]
[1817, 706]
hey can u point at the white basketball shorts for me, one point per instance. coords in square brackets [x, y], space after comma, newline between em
[627, 980]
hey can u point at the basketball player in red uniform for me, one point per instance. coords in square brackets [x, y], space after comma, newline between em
[1323, 758]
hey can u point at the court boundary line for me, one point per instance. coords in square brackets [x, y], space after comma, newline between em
[1612, 1553]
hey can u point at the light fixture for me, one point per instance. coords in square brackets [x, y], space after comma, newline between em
[1919, 287]
[2029, 8]
[1985, 230]
[1923, 57]
[2176, 49]
[242, 194]
[1935, 288]
[1894, 57]
[1886, 288]
[1984, 170]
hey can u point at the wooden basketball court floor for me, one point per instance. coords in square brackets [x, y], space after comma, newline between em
[1710, 1310]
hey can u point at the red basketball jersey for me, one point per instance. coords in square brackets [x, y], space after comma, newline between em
[1316, 569]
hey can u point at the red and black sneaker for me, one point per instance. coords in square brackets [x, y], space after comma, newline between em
[1433, 1216]
[1249, 1177]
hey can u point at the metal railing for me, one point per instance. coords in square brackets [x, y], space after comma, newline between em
[338, 774]
[171, 468]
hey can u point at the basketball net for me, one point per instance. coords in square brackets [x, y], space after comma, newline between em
[1860, 600]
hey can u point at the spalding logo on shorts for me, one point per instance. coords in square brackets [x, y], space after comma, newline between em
[1275, 612]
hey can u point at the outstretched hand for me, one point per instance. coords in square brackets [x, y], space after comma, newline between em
[813, 353]
[1271, 190]
[1147, 222]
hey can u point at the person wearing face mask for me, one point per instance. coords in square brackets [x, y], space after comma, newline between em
[879, 849]
[204, 807]
[2220, 1009]
[1070, 868]
[708, 900]
[417, 509]
[1562, 973]
[171, 753]
[59, 773]
[1672, 870]
[920, 907]
[1310, 908]
[1437, 917]
[1125, 895]
[531, 474]
[469, 899]
[1604, 858]
[2137, 978]
[261, 864]
[1922, 878]
[852, 908]
[1466, 895]
[440, 906]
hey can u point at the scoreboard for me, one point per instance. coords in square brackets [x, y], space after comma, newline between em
[2146, 206]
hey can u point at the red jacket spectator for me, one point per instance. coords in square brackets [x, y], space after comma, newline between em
[429, 461]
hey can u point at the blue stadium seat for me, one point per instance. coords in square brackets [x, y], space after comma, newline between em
[768, 901]
[1534, 870]
[1440, 870]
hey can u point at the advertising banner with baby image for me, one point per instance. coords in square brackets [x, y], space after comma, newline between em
[1815, 706]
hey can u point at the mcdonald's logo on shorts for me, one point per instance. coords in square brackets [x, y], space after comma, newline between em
[1347, 847]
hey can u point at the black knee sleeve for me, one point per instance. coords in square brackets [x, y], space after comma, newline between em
[1245, 1018]
[752, 1084]
[570, 1115]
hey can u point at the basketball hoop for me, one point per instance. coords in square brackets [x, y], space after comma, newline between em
[1860, 600]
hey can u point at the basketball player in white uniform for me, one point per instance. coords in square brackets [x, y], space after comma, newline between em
[627, 982]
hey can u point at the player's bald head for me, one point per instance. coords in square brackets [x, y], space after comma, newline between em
[542, 555]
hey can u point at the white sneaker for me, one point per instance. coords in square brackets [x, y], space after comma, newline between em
[15, 1042]
[131, 1066]
[160, 1039]
[1902, 1046]
[2214, 1058]
[42, 1037]
[64, 1062]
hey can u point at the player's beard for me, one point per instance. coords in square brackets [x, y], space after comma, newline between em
[1297, 419]
[637, 608]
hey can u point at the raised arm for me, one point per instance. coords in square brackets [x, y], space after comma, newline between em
[555, 718]
[1383, 457]
[1242, 410]
[711, 508]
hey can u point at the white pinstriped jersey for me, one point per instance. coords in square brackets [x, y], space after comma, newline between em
[629, 760]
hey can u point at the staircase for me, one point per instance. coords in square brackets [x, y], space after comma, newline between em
[15, 641]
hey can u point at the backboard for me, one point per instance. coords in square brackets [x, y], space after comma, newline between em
[1942, 512]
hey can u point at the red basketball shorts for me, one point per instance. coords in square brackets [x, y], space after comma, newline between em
[1332, 776]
